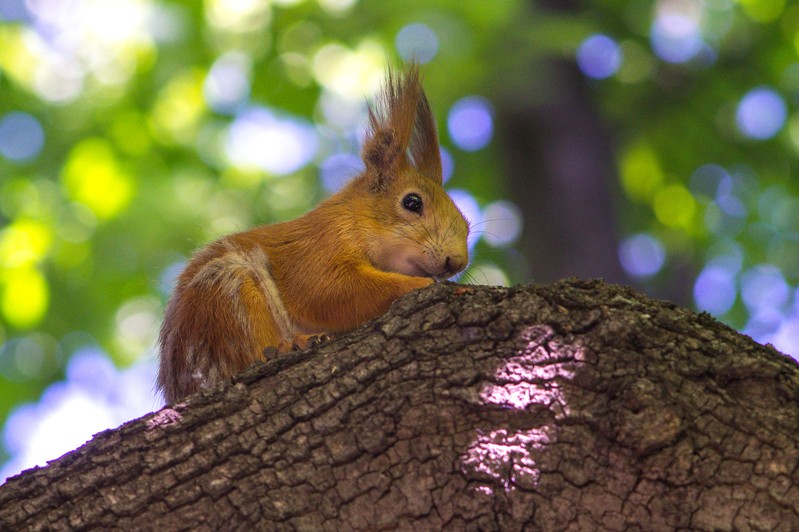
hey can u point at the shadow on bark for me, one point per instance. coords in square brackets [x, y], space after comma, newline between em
[573, 405]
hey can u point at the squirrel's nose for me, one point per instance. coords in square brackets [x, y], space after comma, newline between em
[454, 263]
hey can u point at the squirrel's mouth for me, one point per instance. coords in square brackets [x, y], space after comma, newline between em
[421, 271]
[415, 268]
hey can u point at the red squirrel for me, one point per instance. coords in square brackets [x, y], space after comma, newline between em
[390, 230]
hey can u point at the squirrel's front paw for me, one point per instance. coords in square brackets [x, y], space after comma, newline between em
[317, 339]
[301, 342]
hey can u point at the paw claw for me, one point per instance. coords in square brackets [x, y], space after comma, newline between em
[302, 342]
[318, 339]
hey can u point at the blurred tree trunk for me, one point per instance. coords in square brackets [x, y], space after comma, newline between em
[575, 405]
[561, 173]
[560, 165]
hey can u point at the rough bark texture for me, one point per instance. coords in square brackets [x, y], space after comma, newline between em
[576, 405]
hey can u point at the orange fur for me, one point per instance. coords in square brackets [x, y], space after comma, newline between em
[328, 271]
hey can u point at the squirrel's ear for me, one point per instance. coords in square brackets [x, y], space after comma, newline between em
[381, 154]
[424, 150]
[393, 121]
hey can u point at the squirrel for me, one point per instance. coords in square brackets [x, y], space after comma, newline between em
[390, 230]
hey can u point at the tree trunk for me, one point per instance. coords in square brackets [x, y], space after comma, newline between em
[576, 405]
[561, 173]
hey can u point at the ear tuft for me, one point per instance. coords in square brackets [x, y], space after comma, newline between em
[381, 151]
[424, 149]
[401, 130]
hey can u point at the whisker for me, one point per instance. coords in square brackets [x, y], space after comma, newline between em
[424, 235]
[476, 269]
[490, 252]
[467, 278]
[426, 230]
[492, 220]
[481, 233]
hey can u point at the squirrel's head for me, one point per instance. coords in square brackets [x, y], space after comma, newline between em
[413, 226]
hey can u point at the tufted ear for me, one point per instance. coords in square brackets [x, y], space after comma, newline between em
[401, 131]
[381, 154]
[424, 150]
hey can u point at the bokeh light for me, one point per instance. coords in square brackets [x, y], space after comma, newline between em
[502, 223]
[674, 206]
[637, 63]
[642, 255]
[95, 396]
[179, 108]
[353, 74]
[227, 85]
[763, 324]
[70, 45]
[34, 356]
[676, 37]
[76, 223]
[731, 204]
[778, 207]
[726, 215]
[25, 296]
[599, 56]
[94, 176]
[338, 169]
[447, 165]
[344, 113]
[761, 113]
[417, 42]
[238, 16]
[14, 10]
[720, 222]
[25, 242]
[21, 136]
[471, 211]
[705, 180]
[24, 290]
[786, 338]
[763, 10]
[728, 254]
[471, 123]
[489, 274]
[136, 327]
[336, 7]
[169, 277]
[258, 138]
[641, 171]
[715, 289]
[764, 287]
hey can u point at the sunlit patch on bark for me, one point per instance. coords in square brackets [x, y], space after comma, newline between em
[530, 381]
[165, 416]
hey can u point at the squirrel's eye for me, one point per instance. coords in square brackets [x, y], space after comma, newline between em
[412, 202]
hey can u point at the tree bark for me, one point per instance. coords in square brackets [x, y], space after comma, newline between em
[576, 405]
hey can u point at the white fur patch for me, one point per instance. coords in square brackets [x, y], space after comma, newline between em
[228, 271]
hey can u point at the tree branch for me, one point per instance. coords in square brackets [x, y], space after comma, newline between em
[576, 404]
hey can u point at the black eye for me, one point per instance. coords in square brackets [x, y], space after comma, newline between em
[412, 202]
